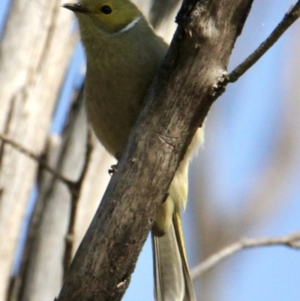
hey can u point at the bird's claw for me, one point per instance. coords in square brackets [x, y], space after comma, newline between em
[113, 169]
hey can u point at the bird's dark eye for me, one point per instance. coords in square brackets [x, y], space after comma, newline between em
[106, 9]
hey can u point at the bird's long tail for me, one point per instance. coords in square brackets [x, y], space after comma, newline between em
[172, 277]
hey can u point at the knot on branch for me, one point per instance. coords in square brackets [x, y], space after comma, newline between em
[220, 85]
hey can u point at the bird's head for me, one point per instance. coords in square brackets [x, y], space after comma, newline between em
[111, 16]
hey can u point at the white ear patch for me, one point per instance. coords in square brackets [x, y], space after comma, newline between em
[130, 25]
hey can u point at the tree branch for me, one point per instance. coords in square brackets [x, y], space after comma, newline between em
[291, 241]
[73, 186]
[37, 158]
[75, 191]
[290, 17]
[176, 106]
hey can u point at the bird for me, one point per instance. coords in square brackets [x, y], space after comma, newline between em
[123, 56]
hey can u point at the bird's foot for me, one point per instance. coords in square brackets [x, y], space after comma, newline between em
[114, 168]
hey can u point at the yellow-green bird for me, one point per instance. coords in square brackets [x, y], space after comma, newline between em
[123, 57]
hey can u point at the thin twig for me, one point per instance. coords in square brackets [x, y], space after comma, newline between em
[290, 240]
[38, 159]
[290, 17]
[76, 188]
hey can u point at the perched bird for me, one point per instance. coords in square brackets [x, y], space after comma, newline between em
[123, 57]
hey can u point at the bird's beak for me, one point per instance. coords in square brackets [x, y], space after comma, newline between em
[77, 8]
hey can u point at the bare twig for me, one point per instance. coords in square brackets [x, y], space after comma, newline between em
[290, 17]
[36, 158]
[73, 186]
[290, 240]
[76, 188]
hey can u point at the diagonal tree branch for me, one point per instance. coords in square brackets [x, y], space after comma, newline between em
[290, 240]
[177, 104]
[37, 158]
[290, 17]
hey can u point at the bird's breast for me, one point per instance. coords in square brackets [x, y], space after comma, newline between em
[113, 103]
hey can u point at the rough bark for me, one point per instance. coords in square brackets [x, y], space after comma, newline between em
[185, 88]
